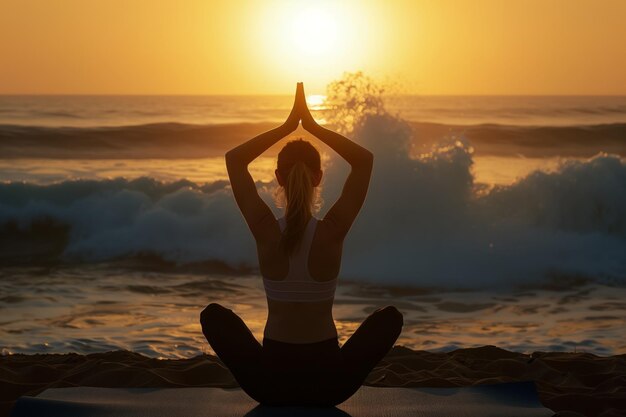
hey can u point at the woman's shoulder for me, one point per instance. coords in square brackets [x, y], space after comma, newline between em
[322, 229]
[330, 230]
[327, 231]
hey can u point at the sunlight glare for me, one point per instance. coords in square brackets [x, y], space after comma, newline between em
[314, 31]
[316, 101]
[315, 41]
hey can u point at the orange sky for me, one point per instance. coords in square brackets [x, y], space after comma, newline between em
[264, 47]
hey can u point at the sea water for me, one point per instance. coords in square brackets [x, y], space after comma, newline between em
[488, 220]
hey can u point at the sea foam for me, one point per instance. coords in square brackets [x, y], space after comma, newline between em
[425, 222]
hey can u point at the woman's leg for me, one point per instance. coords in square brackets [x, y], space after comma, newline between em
[368, 345]
[235, 345]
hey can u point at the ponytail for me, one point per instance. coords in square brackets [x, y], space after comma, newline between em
[299, 193]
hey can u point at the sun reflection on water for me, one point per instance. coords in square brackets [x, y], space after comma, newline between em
[99, 308]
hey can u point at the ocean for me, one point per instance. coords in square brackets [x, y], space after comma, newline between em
[489, 220]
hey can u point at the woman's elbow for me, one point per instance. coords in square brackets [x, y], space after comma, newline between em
[232, 158]
[368, 158]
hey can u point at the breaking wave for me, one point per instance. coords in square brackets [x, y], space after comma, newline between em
[424, 223]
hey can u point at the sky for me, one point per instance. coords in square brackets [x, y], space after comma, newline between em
[452, 47]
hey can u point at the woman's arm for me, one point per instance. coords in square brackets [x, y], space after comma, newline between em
[252, 149]
[252, 206]
[343, 213]
[353, 153]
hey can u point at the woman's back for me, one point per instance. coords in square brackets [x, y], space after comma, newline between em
[313, 278]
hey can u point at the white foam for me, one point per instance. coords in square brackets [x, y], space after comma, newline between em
[424, 223]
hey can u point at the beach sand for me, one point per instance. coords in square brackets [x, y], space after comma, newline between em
[581, 382]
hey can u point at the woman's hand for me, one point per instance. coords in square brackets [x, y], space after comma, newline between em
[293, 120]
[308, 122]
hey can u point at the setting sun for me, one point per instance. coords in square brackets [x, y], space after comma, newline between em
[316, 42]
[314, 31]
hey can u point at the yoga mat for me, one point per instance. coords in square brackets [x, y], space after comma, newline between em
[517, 399]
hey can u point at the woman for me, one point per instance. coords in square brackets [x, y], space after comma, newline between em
[300, 361]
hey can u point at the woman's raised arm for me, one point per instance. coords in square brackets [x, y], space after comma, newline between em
[347, 207]
[252, 149]
[353, 153]
[252, 206]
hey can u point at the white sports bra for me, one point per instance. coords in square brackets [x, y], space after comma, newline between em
[299, 285]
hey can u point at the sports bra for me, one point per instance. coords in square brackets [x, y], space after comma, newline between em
[299, 285]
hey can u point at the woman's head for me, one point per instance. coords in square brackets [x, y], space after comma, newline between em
[299, 174]
[295, 152]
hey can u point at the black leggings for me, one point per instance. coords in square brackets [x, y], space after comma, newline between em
[314, 374]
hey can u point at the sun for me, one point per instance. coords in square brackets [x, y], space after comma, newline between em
[314, 31]
[313, 41]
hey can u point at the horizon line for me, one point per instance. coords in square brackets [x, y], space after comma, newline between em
[290, 94]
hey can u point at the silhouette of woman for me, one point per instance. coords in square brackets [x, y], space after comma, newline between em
[300, 361]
